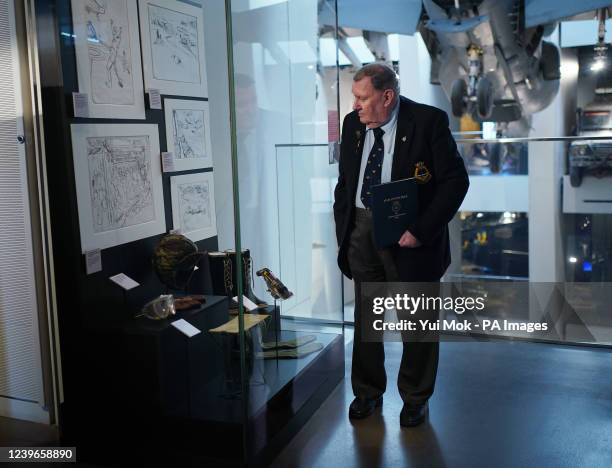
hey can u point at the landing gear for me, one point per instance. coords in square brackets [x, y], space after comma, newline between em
[484, 97]
[476, 94]
[550, 62]
[495, 157]
[575, 174]
[459, 97]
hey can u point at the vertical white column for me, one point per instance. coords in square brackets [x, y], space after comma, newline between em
[546, 168]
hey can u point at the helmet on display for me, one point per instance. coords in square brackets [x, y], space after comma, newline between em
[174, 260]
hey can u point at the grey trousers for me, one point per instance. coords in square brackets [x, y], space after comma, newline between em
[419, 364]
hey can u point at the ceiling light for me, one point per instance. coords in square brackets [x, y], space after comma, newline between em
[598, 64]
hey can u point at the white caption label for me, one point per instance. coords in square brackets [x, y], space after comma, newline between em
[155, 99]
[80, 104]
[93, 261]
[124, 281]
[185, 328]
[168, 162]
[246, 302]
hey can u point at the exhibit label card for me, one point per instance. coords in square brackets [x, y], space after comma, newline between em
[168, 162]
[124, 281]
[249, 304]
[155, 99]
[93, 261]
[185, 328]
[80, 105]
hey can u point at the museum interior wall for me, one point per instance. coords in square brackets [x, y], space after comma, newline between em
[23, 378]
[162, 133]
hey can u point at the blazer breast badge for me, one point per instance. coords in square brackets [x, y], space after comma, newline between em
[421, 173]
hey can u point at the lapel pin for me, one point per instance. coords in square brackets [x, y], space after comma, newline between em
[403, 138]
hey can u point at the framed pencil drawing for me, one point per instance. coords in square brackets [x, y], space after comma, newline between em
[193, 205]
[118, 179]
[107, 46]
[188, 133]
[173, 47]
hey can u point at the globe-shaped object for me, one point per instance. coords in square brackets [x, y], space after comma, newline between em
[174, 260]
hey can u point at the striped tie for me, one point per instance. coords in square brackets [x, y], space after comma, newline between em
[373, 169]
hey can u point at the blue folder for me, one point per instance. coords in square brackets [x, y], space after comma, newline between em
[394, 208]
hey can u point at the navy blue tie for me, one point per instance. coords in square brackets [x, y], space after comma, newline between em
[373, 169]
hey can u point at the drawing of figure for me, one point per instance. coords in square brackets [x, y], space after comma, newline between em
[113, 48]
[108, 46]
[112, 51]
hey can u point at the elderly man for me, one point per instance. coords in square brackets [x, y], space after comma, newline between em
[389, 137]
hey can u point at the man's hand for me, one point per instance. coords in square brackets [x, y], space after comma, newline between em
[408, 240]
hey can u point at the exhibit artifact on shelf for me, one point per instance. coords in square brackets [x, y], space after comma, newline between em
[275, 286]
[159, 308]
[174, 260]
[224, 275]
[118, 183]
[107, 46]
[173, 47]
[193, 205]
[188, 133]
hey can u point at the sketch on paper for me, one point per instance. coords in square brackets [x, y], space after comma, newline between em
[107, 47]
[174, 45]
[189, 138]
[193, 205]
[120, 181]
[110, 54]
[188, 133]
[194, 202]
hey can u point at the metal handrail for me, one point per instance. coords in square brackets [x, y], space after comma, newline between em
[471, 140]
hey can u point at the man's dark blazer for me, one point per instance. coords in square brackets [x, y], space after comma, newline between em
[422, 136]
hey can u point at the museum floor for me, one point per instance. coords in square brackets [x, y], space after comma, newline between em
[496, 404]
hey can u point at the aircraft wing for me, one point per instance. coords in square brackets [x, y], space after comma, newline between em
[539, 12]
[387, 16]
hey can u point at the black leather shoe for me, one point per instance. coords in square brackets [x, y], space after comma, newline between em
[413, 415]
[363, 407]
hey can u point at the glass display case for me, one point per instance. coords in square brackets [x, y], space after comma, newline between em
[284, 109]
[495, 244]
[195, 155]
[188, 148]
[588, 247]
[495, 158]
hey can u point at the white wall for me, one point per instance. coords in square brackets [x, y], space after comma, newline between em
[21, 376]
